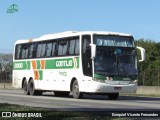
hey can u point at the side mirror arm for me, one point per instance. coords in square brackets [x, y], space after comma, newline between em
[93, 51]
[143, 53]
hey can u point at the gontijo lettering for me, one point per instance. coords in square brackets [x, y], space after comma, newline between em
[64, 63]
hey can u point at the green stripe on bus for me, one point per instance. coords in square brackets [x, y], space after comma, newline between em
[40, 74]
[67, 63]
[28, 65]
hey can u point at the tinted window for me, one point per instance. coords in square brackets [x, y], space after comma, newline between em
[68, 46]
[24, 53]
[62, 47]
[72, 47]
[39, 48]
[43, 50]
[49, 49]
[32, 50]
[18, 51]
[77, 47]
[54, 49]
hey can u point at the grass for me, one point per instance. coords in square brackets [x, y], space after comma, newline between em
[48, 114]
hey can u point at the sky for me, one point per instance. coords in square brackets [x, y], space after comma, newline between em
[35, 18]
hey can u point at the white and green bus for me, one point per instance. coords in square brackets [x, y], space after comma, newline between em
[88, 62]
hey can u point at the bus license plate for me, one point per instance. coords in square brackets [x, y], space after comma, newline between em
[117, 88]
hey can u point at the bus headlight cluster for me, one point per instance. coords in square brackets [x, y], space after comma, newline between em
[109, 78]
[134, 82]
[99, 80]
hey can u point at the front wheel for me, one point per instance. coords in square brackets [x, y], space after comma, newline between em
[75, 90]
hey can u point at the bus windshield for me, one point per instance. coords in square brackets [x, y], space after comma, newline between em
[115, 60]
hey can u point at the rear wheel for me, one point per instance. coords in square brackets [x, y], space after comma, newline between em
[75, 90]
[25, 88]
[113, 96]
[31, 87]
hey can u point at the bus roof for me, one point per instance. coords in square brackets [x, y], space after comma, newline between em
[72, 33]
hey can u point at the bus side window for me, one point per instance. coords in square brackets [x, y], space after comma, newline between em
[71, 47]
[24, 53]
[43, 51]
[18, 51]
[32, 50]
[54, 48]
[77, 47]
[62, 47]
[49, 49]
[38, 54]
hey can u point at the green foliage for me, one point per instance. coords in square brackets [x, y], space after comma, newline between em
[150, 68]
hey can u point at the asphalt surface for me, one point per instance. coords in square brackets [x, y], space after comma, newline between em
[88, 103]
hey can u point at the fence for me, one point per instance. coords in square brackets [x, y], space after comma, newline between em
[149, 78]
[5, 77]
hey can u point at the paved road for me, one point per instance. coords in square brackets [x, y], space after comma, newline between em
[100, 103]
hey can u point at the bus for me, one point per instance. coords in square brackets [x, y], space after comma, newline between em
[77, 63]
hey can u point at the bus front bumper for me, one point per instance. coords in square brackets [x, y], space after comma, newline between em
[97, 87]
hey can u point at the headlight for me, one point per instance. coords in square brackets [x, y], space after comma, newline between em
[99, 80]
[134, 82]
[109, 78]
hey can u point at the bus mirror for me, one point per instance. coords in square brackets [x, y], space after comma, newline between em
[93, 51]
[143, 54]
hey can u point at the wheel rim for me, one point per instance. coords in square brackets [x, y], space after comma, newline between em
[75, 90]
[25, 87]
[31, 87]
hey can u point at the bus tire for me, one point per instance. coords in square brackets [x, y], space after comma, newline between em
[113, 96]
[31, 87]
[75, 90]
[61, 94]
[25, 88]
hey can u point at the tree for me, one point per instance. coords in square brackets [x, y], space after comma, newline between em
[151, 66]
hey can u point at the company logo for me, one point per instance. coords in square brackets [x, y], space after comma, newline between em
[12, 9]
[6, 114]
[65, 63]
